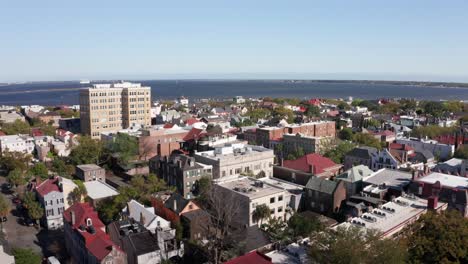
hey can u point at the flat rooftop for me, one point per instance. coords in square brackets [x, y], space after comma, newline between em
[391, 216]
[285, 185]
[391, 178]
[250, 187]
[230, 150]
[88, 167]
[446, 180]
[99, 190]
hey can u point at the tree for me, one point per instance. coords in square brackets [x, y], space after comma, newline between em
[453, 106]
[16, 177]
[312, 111]
[337, 154]
[461, 152]
[346, 133]
[354, 246]
[4, 206]
[61, 168]
[125, 146]
[17, 127]
[40, 170]
[365, 139]
[301, 226]
[202, 189]
[35, 211]
[432, 131]
[223, 209]
[258, 113]
[15, 160]
[78, 193]
[281, 112]
[343, 106]
[88, 151]
[435, 109]
[438, 238]
[26, 256]
[261, 212]
[373, 123]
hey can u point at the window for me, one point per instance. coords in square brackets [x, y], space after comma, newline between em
[280, 209]
[280, 198]
[272, 211]
[272, 199]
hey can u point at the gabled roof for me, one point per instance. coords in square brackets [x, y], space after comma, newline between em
[356, 173]
[321, 185]
[98, 243]
[178, 200]
[250, 258]
[48, 186]
[193, 134]
[362, 152]
[319, 163]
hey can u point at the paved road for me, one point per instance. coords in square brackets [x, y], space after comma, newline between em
[16, 234]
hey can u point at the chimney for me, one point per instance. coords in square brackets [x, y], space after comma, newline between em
[175, 205]
[432, 202]
[311, 168]
[281, 161]
[72, 216]
[38, 181]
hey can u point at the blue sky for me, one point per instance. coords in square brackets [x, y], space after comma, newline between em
[62, 40]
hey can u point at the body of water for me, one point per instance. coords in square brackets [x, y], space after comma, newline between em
[55, 93]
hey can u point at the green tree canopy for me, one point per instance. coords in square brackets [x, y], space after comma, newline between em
[40, 170]
[125, 146]
[26, 256]
[439, 238]
[461, 152]
[17, 127]
[35, 211]
[15, 160]
[337, 154]
[352, 246]
[435, 109]
[261, 212]
[312, 111]
[281, 112]
[17, 177]
[88, 151]
[432, 131]
[301, 226]
[346, 134]
[61, 168]
[365, 139]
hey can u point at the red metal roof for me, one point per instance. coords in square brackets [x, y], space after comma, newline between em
[36, 132]
[315, 102]
[303, 163]
[191, 121]
[193, 134]
[397, 146]
[168, 125]
[99, 243]
[47, 186]
[253, 257]
[2, 133]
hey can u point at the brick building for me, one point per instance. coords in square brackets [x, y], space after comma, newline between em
[85, 238]
[314, 129]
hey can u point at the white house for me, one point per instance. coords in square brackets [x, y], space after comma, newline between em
[17, 143]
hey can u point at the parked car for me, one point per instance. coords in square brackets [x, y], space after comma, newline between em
[16, 200]
[28, 221]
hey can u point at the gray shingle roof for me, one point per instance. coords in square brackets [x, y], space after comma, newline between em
[362, 152]
[321, 185]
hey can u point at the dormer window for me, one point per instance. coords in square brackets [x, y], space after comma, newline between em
[89, 222]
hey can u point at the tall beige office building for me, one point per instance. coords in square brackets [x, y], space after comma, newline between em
[111, 107]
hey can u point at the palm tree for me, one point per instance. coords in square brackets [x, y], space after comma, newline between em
[261, 212]
[35, 211]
